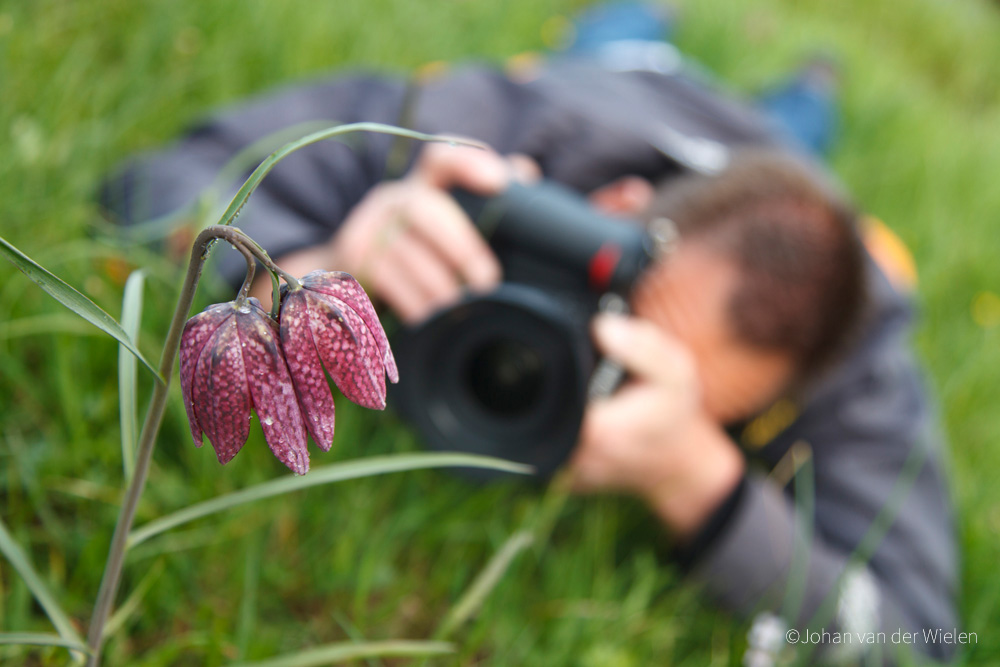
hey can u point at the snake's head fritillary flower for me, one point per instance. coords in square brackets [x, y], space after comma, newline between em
[231, 361]
[330, 322]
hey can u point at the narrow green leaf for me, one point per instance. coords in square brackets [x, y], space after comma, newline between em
[247, 618]
[41, 639]
[68, 296]
[131, 318]
[132, 602]
[366, 467]
[27, 327]
[914, 464]
[805, 501]
[208, 200]
[479, 590]
[19, 561]
[236, 205]
[335, 653]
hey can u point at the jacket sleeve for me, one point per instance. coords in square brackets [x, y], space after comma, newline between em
[870, 548]
[303, 199]
[581, 124]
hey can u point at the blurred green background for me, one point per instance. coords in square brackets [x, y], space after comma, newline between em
[84, 84]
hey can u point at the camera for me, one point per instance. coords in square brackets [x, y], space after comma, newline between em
[507, 373]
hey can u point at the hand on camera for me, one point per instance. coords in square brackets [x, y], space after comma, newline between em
[408, 241]
[652, 438]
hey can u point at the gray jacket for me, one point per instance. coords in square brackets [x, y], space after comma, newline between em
[865, 544]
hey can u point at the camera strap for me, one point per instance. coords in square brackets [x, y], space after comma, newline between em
[609, 374]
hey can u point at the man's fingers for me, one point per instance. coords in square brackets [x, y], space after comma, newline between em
[601, 435]
[369, 230]
[478, 170]
[443, 225]
[523, 168]
[391, 283]
[423, 268]
[643, 349]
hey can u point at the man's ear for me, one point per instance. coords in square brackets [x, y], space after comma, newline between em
[626, 197]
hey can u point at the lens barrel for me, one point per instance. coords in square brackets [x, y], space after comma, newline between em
[503, 375]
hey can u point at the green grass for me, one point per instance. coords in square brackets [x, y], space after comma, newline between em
[85, 84]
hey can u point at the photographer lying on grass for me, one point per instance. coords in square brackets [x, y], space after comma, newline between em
[769, 342]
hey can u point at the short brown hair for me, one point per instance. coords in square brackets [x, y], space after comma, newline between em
[794, 239]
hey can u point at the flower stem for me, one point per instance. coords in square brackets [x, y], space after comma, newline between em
[262, 255]
[154, 417]
[244, 292]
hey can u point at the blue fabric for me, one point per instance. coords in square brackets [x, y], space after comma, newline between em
[602, 24]
[805, 112]
[801, 111]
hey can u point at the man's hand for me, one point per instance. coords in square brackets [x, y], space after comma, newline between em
[412, 244]
[408, 241]
[651, 438]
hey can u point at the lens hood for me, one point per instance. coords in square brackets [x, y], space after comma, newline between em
[502, 374]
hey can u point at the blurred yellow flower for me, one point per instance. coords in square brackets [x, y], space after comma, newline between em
[986, 310]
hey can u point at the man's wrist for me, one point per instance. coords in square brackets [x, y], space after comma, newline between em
[687, 499]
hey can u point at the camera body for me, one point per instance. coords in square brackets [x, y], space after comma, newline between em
[506, 373]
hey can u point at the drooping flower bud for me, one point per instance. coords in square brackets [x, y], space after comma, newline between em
[231, 361]
[330, 322]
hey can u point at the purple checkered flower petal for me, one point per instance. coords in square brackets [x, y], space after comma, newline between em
[330, 323]
[307, 370]
[231, 361]
[343, 288]
[197, 333]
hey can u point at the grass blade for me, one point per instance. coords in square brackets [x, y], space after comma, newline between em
[340, 652]
[19, 561]
[802, 462]
[131, 318]
[41, 639]
[26, 327]
[68, 296]
[134, 600]
[487, 580]
[236, 205]
[209, 199]
[247, 618]
[366, 467]
[914, 463]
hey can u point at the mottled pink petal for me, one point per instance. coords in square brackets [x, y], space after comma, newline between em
[271, 389]
[201, 389]
[348, 350]
[306, 369]
[348, 291]
[197, 332]
[224, 412]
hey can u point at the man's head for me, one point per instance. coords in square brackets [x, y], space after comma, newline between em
[767, 282]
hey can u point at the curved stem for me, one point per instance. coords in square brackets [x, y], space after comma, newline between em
[154, 417]
[262, 255]
[244, 292]
[275, 296]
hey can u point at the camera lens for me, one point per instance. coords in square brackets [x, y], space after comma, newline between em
[506, 376]
[502, 374]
